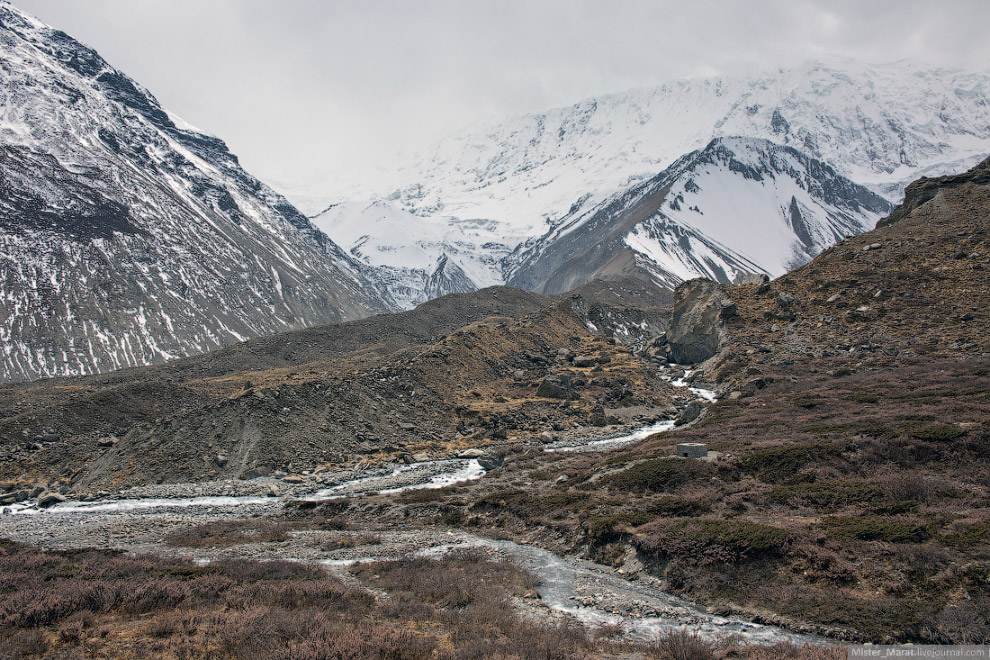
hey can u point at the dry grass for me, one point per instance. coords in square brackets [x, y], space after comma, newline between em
[221, 533]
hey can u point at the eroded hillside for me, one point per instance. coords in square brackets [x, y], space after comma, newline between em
[486, 368]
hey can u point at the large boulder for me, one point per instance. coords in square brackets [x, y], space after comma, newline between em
[696, 326]
[556, 386]
[49, 498]
[689, 414]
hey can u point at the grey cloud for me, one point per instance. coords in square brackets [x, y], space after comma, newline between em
[306, 88]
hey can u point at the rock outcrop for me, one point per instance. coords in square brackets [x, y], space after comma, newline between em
[700, 309]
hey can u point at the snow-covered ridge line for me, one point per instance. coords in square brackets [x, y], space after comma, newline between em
[740, 205]
[879, 126]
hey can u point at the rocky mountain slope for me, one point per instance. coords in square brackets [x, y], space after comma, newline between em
[415, 259]
[737, 206]
[129, 238]
[845, 489]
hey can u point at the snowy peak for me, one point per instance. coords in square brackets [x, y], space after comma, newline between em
[740, 205]
[881, 126]
[731, 189]
[561, 177]
[380, 234]
[127, 237]
[414, 258]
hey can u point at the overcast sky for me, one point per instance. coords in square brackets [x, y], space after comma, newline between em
[302, 90]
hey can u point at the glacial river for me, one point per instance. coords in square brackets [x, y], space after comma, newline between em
[587, 592]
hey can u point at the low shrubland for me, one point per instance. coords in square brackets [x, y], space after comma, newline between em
[98, 604]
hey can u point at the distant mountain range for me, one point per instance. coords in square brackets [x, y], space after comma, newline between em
[129, 238]
[517, 186]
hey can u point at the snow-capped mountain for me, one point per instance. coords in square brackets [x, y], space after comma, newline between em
[740, 205]
[126, 236]
[416, 259]
[531, 180]
[881, 126]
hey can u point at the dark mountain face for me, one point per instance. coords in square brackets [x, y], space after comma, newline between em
[128, 239]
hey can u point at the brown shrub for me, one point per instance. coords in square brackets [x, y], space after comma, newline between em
[23, 644]
[229, 532]
[790, 651]
[681, 645]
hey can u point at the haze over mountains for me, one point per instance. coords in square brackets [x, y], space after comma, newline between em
[525, 180]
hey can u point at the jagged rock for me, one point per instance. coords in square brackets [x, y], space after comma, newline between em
[273, 491]
[556, 386]
[561, 479]
[255, 472]
[491, 461]
[862, 313]
[597, 416]
[757, 383]
[689, 414]
[695, 328]
[421, 457]
[49, 498]
[566, 353]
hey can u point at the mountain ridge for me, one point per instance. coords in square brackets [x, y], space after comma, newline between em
[670, 229]
[131, 240]
[879, 126]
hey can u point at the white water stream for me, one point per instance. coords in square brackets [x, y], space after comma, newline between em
[424, 475]
[707, 395]
[606, 444]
